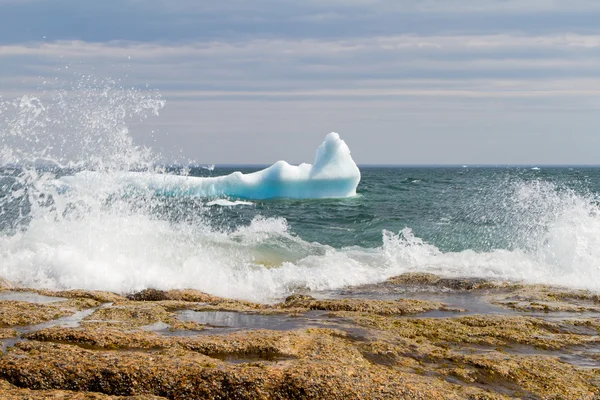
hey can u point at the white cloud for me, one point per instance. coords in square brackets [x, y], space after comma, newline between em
[320, 68]
[80, 49]
[407, 91]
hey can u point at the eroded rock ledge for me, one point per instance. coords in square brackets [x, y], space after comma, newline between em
[541, 342]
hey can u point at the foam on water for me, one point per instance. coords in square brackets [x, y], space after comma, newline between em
[556, 241]
[124, 251]
[103, 236]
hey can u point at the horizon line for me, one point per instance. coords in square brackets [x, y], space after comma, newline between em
[365, 165]
[368, 165]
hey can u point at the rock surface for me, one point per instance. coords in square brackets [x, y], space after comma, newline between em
[141, 347]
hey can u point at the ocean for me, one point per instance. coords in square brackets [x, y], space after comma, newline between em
[536, 224]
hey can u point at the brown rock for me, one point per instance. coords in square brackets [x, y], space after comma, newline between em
[130, 314]
[379, 307]
[100, 296]
[149, 295]
[458, 284]
[375, 352]
[11, 392]
[15, 313]
[414, 278]
[7, 333]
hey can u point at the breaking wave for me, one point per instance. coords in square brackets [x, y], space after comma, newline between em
[101, 236]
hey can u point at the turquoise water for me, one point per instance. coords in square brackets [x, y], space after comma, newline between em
[454, 208]
[512, 223]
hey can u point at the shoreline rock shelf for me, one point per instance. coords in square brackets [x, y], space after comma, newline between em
[362, 343]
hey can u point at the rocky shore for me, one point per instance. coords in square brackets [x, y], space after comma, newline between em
[416, 336]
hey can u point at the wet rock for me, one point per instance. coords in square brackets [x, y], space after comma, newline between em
[484, 359]
[547, 299]
[235, 305]
[192, 296]
[100, 296]
[149, 295]
[467, 284]
[183, 295]
[15, 313]
[130, 314]
[591, 323]
[414, 278]
[11, 392]
[476, 329]
[379, 307]
[7, 333]
[332, 369]
[584, 295]
[377, 351]
[536, 376]
[178, 325]
[298, 300]
[79, 303]
[101, 337]
[458, 284]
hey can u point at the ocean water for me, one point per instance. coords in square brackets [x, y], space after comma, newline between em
[526, 223]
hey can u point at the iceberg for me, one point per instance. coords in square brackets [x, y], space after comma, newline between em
[229, 203]
[334, 174]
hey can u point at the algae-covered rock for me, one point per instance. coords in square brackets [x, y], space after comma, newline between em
[101, 337]
[414, 278]
[547, 299]
[11, 392]
[15, 313]
[130, 314]
[149, 295]
[100, 296]
[476, 329]
[187, 295]
[7, 333]
[339, 373]
[536, 376]
[379, 307]
[356, 348]
[458, 284]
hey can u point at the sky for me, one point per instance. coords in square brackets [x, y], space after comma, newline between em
[402, 81]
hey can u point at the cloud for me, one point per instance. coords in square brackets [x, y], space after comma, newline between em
[82, 49]
[362, 67]
[420, 76]
[208, 20]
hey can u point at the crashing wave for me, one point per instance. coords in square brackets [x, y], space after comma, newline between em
[333, 175]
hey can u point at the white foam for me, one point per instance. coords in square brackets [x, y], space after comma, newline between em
[123, 251]
[333, 175]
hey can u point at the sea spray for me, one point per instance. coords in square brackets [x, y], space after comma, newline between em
[67, 127]
[81, 125]
[505, 223]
